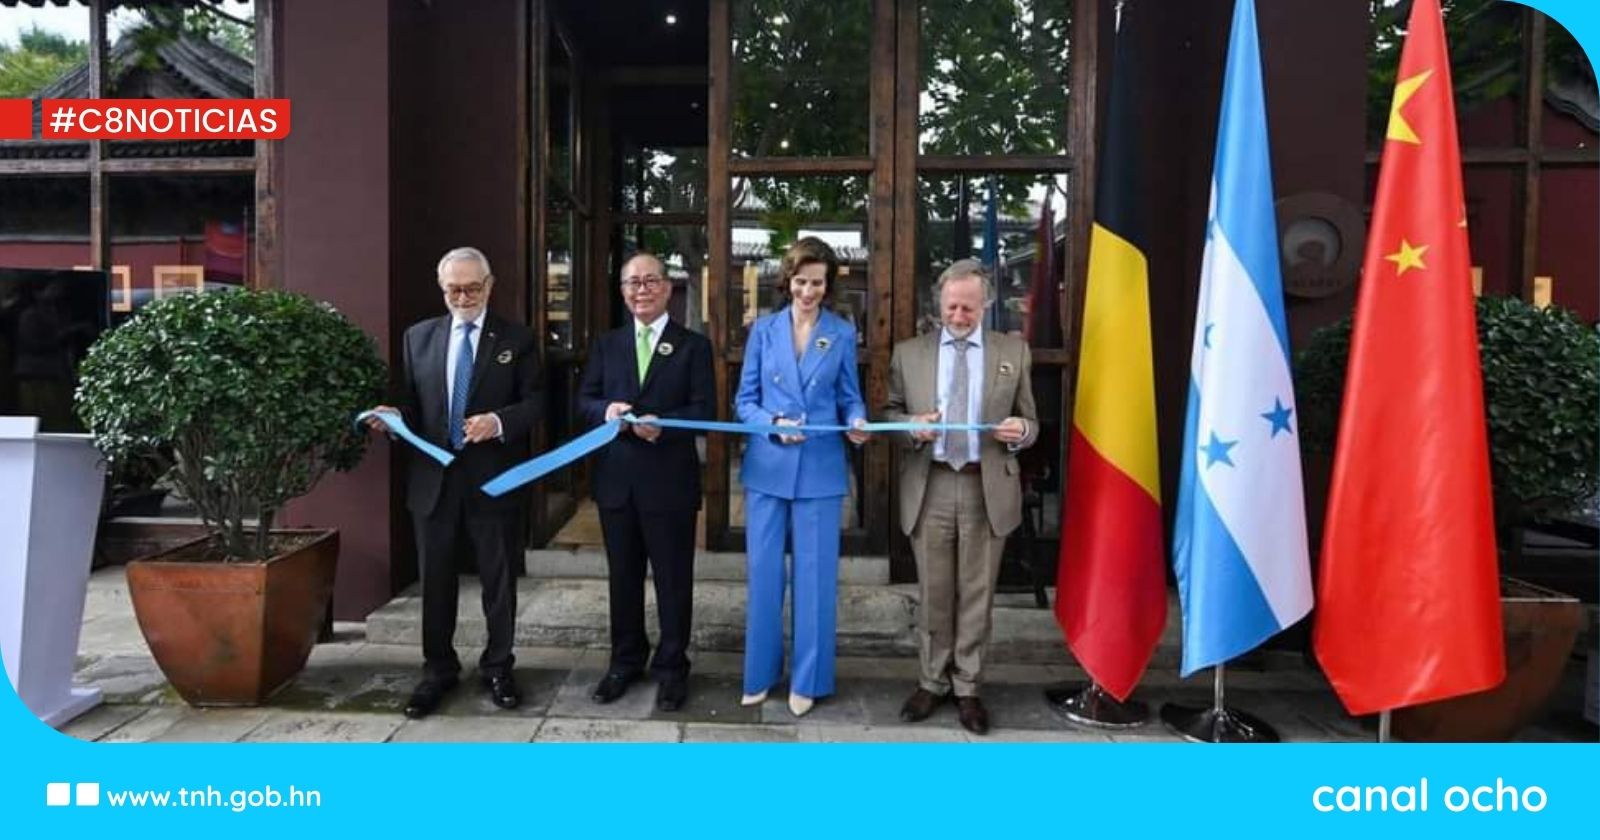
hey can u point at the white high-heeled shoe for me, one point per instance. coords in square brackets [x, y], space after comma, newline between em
[753, 699]
[800, 704]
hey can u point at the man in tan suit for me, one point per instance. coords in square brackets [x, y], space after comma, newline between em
[960, 494]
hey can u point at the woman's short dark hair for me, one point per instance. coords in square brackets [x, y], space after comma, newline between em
[802, 253]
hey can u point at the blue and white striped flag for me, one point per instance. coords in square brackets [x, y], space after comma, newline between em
[1239, 543]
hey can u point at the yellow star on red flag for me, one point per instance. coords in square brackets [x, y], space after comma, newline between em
[1408, 257]
[1399, 129]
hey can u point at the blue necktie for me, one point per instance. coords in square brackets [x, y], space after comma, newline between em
[458, 392]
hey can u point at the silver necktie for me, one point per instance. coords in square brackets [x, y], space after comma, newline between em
[958, 444]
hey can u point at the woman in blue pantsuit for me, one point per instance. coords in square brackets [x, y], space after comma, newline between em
[799, 367]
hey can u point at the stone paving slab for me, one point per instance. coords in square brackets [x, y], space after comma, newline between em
[298, 727]
[815, 733]
[595, 730]
[215, 725]
[721, 733]
[101, 721]
[455, 730]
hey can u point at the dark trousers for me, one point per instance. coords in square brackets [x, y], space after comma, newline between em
[496, 538]
[665, 541]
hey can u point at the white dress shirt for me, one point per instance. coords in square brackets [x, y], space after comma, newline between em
[656, 328]
[454, 357]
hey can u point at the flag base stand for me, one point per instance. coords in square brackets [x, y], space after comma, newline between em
[1214, 725]
[1093, 706]
[1217, 724]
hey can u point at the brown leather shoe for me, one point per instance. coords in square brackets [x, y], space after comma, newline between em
[974, 717]
[919, 705]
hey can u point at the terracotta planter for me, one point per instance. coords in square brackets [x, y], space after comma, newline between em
[232, 634]
[1540, 628]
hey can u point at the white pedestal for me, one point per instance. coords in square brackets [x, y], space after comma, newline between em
[51, 484]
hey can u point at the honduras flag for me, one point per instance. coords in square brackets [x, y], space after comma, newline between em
[1239, 542]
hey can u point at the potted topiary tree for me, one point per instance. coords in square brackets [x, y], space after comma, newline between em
[1541, 391]
[244, 400]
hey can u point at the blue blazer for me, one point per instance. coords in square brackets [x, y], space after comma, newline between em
[821, 387]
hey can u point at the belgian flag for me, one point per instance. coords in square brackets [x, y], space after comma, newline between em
[1111, 596]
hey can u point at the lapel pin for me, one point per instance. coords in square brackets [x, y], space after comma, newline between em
[1005, 368]
[504, 358]
[664, 348]
[822, 344]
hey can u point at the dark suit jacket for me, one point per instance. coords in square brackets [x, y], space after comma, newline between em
[505, 380]
[660, 476]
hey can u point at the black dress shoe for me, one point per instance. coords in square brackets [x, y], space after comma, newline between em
[973, 716]
[427, 696]
[671, 694]
[612, 685]
[503, 690]
[919, 705]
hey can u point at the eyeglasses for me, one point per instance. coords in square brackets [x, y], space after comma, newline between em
[467, 292]
[648, 283]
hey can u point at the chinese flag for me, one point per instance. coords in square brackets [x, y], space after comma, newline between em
[1408, 600]
[1111, 579]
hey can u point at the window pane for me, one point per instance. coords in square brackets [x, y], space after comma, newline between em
[1570, 117]
[769, 214]
[1492, 222]
[1485, 38]
[560, 245]
[683, 249]
[1029, 211]
[800, 77]
[46, 321]
[44, 221]
[199, 52]
[1566, 238]
[994, 77]
[560, 110]
[663, 180]
[178, 234]
[39, 48]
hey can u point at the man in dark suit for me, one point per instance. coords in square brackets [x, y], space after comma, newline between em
[471, 386]
[647, 482]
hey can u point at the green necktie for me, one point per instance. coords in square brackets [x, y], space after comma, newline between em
[643, 352]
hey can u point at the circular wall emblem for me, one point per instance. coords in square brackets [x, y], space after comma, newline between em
[1320, 242]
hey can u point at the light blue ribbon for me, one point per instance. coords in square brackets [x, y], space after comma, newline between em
[572, 450]
[555, 459]
[806, 428]
[397, 425]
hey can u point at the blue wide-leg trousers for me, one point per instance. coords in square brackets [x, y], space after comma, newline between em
[813, 525]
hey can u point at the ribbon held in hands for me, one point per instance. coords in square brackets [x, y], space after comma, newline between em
[603, 434]
[397, 425]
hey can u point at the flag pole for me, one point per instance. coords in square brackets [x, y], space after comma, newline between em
[1383, 727]
[1094, 707]
[1217, 724]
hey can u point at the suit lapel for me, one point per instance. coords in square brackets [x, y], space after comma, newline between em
[486, 349]
[783, 327]
[436, 355]
[817, 349]
[928, 377]
[992, 413]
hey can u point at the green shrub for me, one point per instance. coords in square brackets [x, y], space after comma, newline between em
[1541, 392]
[243, 399]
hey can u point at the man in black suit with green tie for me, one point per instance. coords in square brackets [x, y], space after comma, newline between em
[647, 481]
[471, 385]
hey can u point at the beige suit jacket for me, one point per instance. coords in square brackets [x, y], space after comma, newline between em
[1007, 392]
